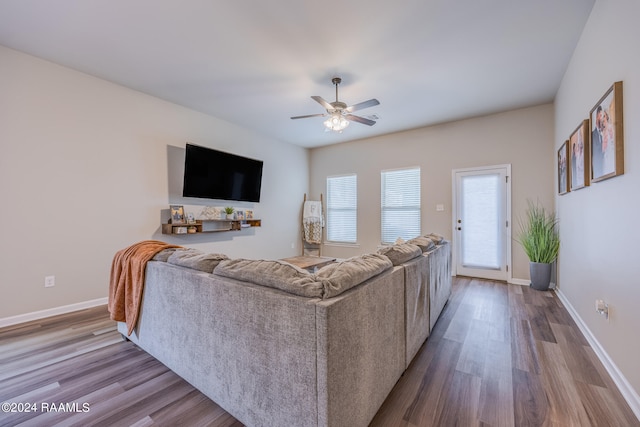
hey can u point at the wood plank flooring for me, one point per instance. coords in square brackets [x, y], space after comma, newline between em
[500, 355]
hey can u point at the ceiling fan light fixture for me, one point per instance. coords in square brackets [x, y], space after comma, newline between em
[336, 122]
[338, 112]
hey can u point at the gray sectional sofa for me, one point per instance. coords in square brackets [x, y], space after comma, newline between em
[275, 345]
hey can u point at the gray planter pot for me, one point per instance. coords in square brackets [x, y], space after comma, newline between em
[540, 275]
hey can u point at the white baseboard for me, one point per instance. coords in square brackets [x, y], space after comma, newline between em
[36, 315]
[628, 392]
[527, 282]
[512, 281]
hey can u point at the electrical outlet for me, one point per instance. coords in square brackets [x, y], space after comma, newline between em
[602, 308]
[49, 281]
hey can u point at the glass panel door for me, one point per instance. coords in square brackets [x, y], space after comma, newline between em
[481, 223]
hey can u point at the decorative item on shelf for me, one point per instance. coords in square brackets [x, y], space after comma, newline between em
[210, 212]
[229, 212]
[239, 215]
[177, 214]
[248, 214]
[540, 240]
[192, 229]
[180, 230]
[190, 218]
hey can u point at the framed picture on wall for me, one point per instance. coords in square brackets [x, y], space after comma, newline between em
[563, 171]
[607, 136]
[579, 159]
[177, 214]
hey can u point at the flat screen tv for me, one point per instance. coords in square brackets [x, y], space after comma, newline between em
[213, 174]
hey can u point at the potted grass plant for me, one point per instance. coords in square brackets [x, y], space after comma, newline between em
[540, 240]
[229, 212]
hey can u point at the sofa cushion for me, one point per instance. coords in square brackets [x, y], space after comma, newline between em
[195, 259]
[402, 253]
[164, 254]
[273, 274]
[341, 276]
[437, 238]
[425, 243]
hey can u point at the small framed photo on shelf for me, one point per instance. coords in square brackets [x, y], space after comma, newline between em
[607, 139]
[191, 219]
[239, 214]
[563, 172]
[177, 214]
[579, 156]
[248, 214]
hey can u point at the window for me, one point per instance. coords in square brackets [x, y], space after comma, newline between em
[400, 204]
[342, 211]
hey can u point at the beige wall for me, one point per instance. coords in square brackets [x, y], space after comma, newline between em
[522, 138]
[84, 166]
[599, 251]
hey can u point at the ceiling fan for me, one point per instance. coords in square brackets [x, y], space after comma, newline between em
[338, 112]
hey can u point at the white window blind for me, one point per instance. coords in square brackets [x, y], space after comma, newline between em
[400, 204]
[342, 201]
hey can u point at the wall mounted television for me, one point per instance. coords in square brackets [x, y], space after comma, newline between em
[213, 174]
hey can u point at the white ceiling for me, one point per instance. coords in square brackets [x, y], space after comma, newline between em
[256, 63]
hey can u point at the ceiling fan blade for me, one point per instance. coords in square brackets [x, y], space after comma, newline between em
[360, 120]
[322, 102]
[362, 105]
[308, 115]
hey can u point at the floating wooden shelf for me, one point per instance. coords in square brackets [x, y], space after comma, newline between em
[210, 226]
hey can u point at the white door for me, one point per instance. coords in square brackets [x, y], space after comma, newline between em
[482, 216]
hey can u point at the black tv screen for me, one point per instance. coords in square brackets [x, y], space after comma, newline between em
[213, 174]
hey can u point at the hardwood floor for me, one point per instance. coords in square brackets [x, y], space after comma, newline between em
[500, 355]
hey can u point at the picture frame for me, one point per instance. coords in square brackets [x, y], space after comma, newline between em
[239, 214]
[579, 158]
[607, 135]
[248, 214]
[191, 219]
[563, 170]
[177, 214]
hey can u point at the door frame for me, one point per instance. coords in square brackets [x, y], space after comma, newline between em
[454, 211]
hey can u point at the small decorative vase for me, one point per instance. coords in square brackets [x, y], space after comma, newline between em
[230, 216]
[540, 275]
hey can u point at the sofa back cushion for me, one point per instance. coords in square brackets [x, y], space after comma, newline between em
[437, 238]
[399, 254]
[164, 254]
[195, 259]
[424, 242]
[273, 274]
[344, 275]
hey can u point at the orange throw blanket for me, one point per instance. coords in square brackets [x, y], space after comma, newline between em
[127, 280]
